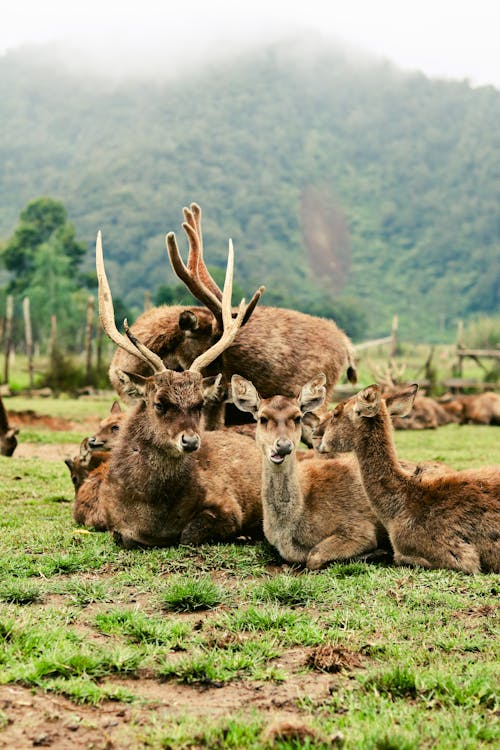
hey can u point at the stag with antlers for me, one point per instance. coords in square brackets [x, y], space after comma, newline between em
[165, 484]
[275, 347]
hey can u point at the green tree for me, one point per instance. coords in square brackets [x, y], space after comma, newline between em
[44, 220]
[53, 291]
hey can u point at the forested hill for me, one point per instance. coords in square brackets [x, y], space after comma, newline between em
[344, 186]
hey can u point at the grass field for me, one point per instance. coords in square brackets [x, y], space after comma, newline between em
[224, 646]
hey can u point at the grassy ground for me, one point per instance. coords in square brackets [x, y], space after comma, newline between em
[223, 646]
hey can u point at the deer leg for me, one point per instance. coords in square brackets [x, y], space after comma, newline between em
[211, 525]
[465, 559]
[339, 548]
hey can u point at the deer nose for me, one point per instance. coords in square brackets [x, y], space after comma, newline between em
[93, 443]
[190, 443]
[283, 446]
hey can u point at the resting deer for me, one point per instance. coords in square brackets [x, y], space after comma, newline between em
[276, 347]
[96, 449]
[164, 483]
[8, 439]
[450, 521]
[478, 408]
[314, 511]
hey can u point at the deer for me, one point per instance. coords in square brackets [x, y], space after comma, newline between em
[272, 347]
[314, 511]
[96, 449]
[450, 521]
[166, 484]
[479, 408]
[8, 435]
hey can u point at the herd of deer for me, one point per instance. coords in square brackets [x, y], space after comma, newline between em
[173, 469]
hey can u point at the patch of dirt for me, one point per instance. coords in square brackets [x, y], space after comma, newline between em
[333, 659]
[48, 452]
[30, 418]
[34, 719]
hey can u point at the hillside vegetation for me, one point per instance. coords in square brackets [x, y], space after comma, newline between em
[350, 190]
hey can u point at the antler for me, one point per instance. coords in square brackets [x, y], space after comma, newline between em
[195, 274]
[230, 325]
[107, 317]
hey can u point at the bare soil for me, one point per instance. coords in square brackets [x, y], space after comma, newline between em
[34, 719]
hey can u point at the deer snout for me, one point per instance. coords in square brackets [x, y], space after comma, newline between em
[94, 443]
[282, 448]
[190, 442]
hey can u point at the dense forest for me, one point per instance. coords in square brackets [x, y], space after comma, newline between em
[350, 189]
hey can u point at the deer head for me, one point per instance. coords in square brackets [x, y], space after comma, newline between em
[279, 419]
[172, 400]
[352, 417]
[108, 429]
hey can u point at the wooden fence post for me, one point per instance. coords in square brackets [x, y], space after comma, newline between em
[9, 313]
[394, 337]
[53, 337]
[29, 339]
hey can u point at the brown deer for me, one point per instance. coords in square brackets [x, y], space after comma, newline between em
[450, 521]
[96, 449]
[276, 347]
[314, 511]
[108, 429]
[479, 408]
[8, 439]
[164, 484]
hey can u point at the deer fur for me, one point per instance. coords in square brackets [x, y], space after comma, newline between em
[8, 435]
[450, 521]
[314, 511]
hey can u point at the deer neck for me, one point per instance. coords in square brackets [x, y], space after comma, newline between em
[281, 491]
[380, 471]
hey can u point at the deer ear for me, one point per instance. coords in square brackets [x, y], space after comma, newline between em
[400, 404]
[188, 321]
[368, 401]
[134, 385]
[244, 395]
[214, 389]
[313, 394]
[116, 408]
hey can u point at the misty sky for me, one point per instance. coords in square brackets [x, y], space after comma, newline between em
[451, 38]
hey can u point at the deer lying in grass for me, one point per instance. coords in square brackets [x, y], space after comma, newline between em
[314, 511]
[276, 347]
[8, 439]
[87, 470]
[478, 408]
[450, 521]
[165, 484]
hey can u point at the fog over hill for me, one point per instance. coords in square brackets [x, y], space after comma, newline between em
[342, 181]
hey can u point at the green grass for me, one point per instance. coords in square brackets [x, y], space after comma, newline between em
[85, 619]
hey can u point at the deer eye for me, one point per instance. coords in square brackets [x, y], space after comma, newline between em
[159, 408]
[263, 420]
[297, 420]
[115, 428]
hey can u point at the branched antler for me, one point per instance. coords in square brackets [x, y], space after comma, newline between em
[195, 274]
[107, 317]
[230, 325]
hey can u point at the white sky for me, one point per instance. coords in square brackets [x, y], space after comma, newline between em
[451, 38]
